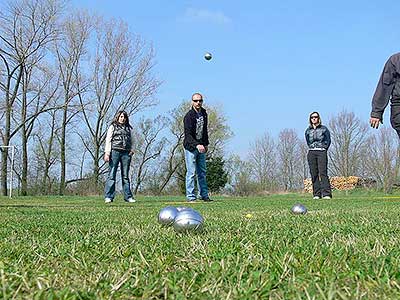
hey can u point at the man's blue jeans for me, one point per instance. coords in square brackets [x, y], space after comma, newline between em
[124, 159]
[195, 164]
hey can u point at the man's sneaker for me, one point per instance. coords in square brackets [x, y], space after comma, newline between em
[108, 200]
[208, 199]
[316, 197]
[130, 200]
[327, 197]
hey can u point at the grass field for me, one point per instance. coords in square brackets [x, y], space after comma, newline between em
[80, 248]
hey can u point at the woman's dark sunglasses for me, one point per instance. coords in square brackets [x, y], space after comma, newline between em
[314, 117]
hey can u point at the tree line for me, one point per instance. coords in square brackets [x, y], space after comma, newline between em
[62, 77]
[280, 164]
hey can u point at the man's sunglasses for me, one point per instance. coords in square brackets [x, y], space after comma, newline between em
[201, 100]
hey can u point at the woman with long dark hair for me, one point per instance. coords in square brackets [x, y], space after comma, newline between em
[118, 151]
[318, 140]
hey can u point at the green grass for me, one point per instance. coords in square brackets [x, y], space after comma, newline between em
[80, 248]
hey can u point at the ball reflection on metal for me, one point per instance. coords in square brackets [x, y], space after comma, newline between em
[180, 208]
[299, 209]
[167, 215]
[188, 220]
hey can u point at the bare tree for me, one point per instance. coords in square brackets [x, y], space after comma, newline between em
[262, 159]
[122, 79]
[70, 49]
[348, 134]
[382, 158]
[38, 92]
[288, 159]
[26, 27]
[304, 171]
[148, 146]
[218, 131]
[173, 156]
[240, 176]
[46, 152]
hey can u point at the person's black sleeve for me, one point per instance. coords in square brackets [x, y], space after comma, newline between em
[205, 131]
[190, 140]
[327, 139]
[307, 138]
[383, 90]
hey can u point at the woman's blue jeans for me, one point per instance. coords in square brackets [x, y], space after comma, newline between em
[123, 159]
[195, 164]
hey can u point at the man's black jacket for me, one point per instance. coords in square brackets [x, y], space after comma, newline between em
[189, 122]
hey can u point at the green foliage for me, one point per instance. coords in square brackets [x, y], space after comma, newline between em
[217, 177]
[80, 248]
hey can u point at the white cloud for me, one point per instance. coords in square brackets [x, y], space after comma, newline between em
[203, 15]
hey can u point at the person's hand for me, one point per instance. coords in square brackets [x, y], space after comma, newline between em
[201, 148]
[106, 157]
[374, 122]
[131, 152]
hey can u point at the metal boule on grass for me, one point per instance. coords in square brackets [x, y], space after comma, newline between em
[188, 220]
[167, 215]
[299, 209]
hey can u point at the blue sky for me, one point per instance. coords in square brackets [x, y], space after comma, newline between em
[273, 61]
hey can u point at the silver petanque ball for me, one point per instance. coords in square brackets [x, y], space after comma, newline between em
[167, 215]
[299, 209]
[207, 56]
[180, 208]
[188, 220]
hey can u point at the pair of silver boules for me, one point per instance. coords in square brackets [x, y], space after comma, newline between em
[183, 219]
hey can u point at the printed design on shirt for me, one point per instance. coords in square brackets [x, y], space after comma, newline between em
[199, 127]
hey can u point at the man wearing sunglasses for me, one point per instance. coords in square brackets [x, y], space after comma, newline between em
[388, 88]
[195, 143]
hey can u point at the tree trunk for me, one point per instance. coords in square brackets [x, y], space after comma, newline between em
[4, 153]
[62, 151]
[24, 137]
[24, 175]
[96, 173]
[4, 164]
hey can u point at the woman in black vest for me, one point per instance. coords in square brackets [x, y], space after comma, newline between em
[118, 151]
[318, 140]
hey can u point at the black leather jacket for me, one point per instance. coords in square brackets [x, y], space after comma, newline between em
[189, 122]
[318, 137]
